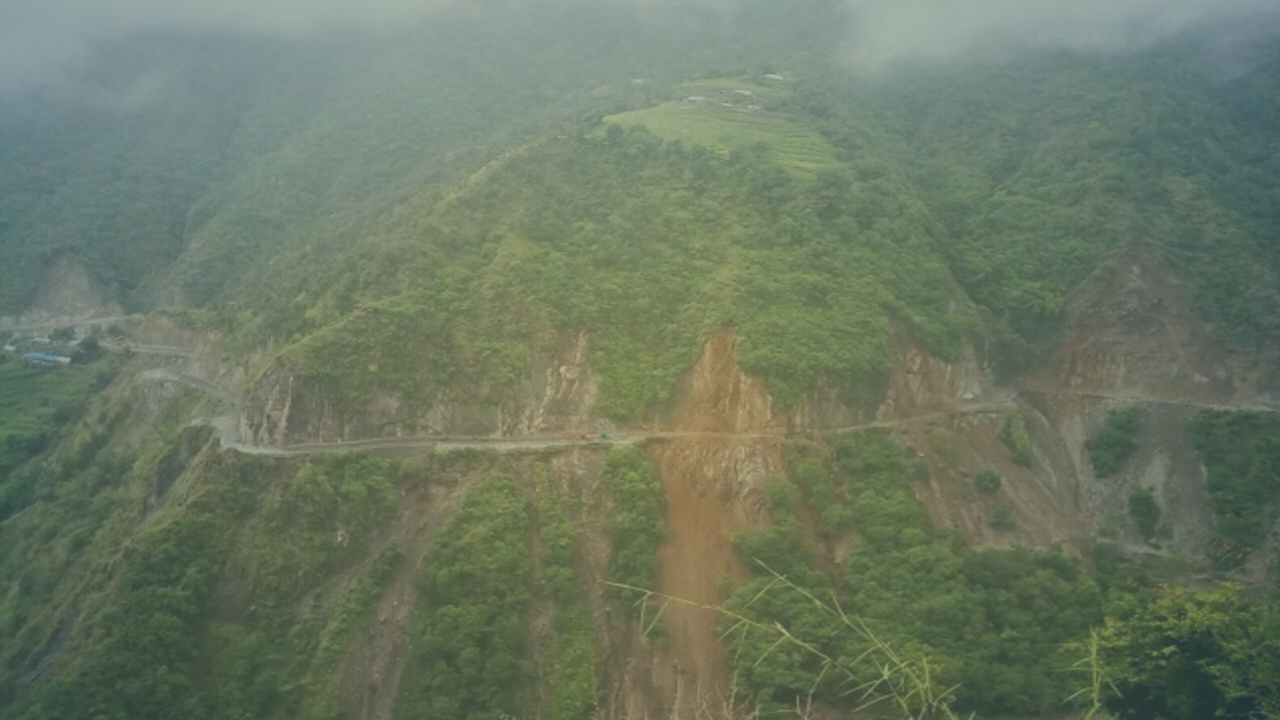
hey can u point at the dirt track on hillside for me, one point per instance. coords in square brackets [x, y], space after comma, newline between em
[701, 430]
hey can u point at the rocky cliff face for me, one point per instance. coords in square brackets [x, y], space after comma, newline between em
[557, 395]
[1131, 333]
[1132, 340]
[65, 295]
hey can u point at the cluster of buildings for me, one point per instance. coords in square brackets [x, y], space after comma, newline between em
[45, 359]
[739, 99]
[36, 357]
[745, 94]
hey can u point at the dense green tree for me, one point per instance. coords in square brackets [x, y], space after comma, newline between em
[637, 523]
[1115, 442]
[1241, 454]
[987, 482]
[1195, 654]
[1145, 512]
[470, 651]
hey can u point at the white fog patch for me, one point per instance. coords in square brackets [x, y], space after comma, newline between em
[890, 30]
[38, 38]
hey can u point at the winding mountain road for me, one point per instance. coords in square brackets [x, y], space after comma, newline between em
[229, 436]
[227, 427]
[1256, 406]
[170, 374]
[161, 350]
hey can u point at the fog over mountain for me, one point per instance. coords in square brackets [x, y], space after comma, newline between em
[38, 39]
[890, 30]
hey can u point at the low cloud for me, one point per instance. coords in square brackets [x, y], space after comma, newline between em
[39, 37]
[891, 30]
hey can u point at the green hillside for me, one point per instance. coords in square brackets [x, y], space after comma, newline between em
[421, 219]
[1034, 191]
[548, 240]
[866, 223]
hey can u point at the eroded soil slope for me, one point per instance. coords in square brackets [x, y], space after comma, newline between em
[712, 483]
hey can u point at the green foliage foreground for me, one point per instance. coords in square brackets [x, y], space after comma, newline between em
[912, 617]
[1000, 632]
[1193, 655]
[989, 625]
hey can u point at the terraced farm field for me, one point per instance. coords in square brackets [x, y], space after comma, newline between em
[727, 114]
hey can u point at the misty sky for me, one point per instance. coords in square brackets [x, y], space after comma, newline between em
[38, 36]
[888, 30]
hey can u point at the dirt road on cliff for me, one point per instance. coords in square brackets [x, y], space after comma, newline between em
[229, 435]
[231, 440]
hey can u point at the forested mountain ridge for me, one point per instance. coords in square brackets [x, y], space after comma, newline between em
[458, 341]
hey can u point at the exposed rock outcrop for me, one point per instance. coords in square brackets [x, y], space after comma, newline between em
[557, 395]
[66, 294]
